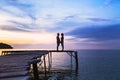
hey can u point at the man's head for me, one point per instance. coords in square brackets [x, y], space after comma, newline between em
[58, 34]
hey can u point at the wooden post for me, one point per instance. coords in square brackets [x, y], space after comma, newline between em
[44, 64]
[76, 60]
[35, 71]
[50, 59]
[71, 59]
[49, 62]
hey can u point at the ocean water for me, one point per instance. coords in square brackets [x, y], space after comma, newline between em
[93, 65]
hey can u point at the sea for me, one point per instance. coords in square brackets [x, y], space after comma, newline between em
[93, 65]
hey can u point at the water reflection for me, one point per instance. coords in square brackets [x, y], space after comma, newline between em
[62, 67]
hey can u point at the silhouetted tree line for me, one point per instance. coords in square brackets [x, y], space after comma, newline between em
[5, 46]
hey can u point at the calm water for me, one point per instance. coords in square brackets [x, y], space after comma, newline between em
[93, 65]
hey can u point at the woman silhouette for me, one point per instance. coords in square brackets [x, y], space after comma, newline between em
[58, 40]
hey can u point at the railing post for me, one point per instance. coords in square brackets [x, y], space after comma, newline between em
[50, 59]
[76, 60]
[71, 59]
[44, 64]
[35, 71]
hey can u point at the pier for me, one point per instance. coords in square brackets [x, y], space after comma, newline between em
[16, 64]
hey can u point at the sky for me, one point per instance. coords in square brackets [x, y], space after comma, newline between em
[86, 24]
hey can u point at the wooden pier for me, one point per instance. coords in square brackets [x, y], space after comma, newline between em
[16, 64]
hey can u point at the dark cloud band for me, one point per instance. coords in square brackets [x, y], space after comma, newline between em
[108, 32]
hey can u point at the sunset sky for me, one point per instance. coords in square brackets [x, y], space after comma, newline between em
[87, 24]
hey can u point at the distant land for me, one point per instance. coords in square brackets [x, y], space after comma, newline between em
[5, 46]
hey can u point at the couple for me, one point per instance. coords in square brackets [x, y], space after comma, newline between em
[60, 40]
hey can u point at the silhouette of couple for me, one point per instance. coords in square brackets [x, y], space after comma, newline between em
[60, 40]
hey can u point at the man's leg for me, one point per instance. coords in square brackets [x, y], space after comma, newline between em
[62, 46]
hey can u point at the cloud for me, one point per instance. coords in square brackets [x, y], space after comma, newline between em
[95, 33]
[68, 22]
[14, 28]
[109, 2]
[17, 15]
[96, 37]
[70, 17]
[23, 25]
[63, 26]
[99, 20]
[18, 26]
[18, 8]
[8, 22]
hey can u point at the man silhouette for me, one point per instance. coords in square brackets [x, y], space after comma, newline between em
[62, 41]
[58, 40]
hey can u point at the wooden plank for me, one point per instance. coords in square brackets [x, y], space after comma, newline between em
[61, 51]
[13, 74]
[16, 78]
[15, 66]
[13, 69]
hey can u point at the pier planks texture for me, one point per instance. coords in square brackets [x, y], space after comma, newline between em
[16, 65]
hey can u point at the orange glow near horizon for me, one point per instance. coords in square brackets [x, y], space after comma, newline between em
[32, 40]
[27, 37]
